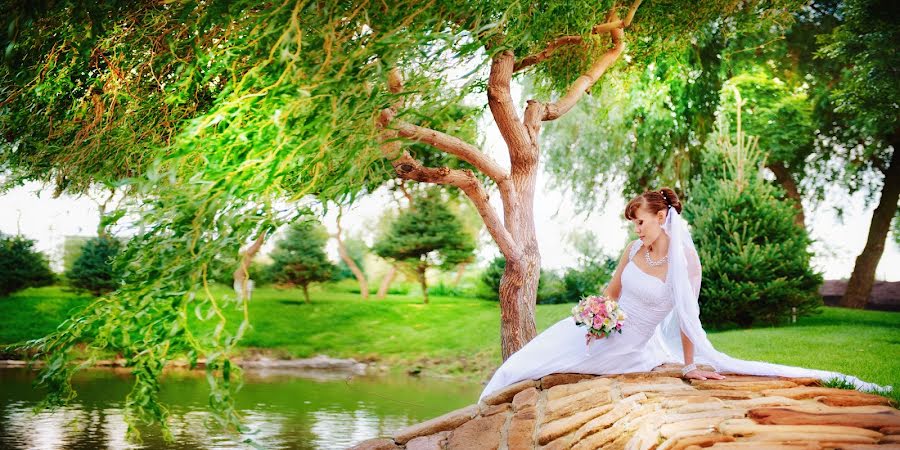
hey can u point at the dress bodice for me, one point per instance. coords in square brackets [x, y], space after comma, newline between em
[645, 298]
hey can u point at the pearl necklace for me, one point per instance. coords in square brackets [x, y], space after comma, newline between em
[655, 263]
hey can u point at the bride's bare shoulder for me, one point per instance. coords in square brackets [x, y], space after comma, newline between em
[626, 252]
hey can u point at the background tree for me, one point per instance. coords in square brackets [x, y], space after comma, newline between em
[896, 230]
[552, 287]
[490, 278]
[780, 117]
[428, 235]
[21, 266]
[352, 253]
[756, 262]
[299, 258]
[865, 99]
[593, 269]
[93, 270]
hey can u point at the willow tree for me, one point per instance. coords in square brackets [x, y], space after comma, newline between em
[215, 114]
[866, 128]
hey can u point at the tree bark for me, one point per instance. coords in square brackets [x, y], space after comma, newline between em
[860, 285]
[306, 293]
[386, 282]
[241, 275]
[460, 270]
[786, 180]
[342, 251]
[420, 271]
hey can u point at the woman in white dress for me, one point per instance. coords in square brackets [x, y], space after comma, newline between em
[657, 284]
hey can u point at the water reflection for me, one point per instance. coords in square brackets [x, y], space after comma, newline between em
[281, 411]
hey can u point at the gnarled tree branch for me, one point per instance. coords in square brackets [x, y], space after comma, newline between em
[452, 145]
[573, 40]
[408, 168]
[581, 85]
[545, 53]
[392, 128]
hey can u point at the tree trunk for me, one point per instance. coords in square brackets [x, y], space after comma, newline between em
[518, 294]
[241, 275]
[460, 270]
[860, 285]
[386, 282]
[342, 251]
[786, 180]
[518, 286]
[423, 280]
[306, 293]
[101, 209]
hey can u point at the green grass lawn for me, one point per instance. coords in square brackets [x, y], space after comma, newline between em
[460, 336]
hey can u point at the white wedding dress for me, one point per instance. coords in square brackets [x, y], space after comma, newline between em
[649, 337]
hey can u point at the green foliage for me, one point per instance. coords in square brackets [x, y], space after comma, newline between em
[426, 235]
[93, 270]
[552, 288]
[490, 278]
[594, 269]
[647, 125]
[858, 93]
[445, 290]
[895, 229]
[780, 115]
[260, 273]
[21, 266]
[868, 90]
[588, 279]
[299, 258]
[756, 263]
[221, 270]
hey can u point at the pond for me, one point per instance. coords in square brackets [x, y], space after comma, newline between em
[283, 411]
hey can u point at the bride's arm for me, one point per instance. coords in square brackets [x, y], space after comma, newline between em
[614, 288]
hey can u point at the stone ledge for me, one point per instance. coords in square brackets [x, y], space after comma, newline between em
[658, 410]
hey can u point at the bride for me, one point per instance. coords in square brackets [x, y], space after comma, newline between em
[657, 284]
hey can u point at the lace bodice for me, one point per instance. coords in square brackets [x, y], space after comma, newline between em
[645, 298]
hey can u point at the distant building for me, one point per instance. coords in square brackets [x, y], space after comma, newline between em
[885, 295]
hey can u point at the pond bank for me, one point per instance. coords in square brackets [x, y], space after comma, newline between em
[317, 367]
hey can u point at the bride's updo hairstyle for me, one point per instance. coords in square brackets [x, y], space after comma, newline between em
[653, 201]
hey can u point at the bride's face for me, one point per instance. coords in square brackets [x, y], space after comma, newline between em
[647, 225]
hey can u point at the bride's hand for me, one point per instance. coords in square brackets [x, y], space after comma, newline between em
[698, 374]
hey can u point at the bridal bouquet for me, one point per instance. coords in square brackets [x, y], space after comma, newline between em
[601, 315]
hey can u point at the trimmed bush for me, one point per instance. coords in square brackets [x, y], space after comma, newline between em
[93, 269]
[21, 266]
[551, 287]
[299, 258]
[756, 262]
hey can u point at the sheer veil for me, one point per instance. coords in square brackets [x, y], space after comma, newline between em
[685, 274]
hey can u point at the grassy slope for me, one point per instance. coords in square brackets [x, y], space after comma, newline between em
[460, 336]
